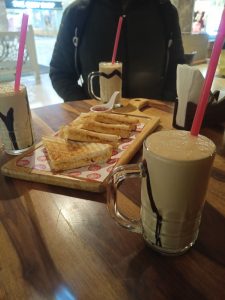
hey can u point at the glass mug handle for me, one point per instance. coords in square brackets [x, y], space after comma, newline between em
[118, 175]
[91, 76]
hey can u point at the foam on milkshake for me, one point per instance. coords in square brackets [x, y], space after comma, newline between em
[180, 145]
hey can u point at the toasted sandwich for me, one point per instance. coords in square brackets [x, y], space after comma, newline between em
[76, 133]
[121, 130]
[65, 155]
[108, 118]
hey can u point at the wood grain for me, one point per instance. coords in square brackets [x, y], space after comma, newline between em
[55, 239]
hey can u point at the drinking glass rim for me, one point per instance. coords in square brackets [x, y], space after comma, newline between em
[163, 158]
[109, 62]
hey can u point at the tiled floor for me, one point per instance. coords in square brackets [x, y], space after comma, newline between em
[43, 94]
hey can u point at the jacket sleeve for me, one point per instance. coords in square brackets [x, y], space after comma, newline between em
[176, 57]
[63, 75]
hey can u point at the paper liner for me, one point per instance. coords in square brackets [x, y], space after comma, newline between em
[37, 160]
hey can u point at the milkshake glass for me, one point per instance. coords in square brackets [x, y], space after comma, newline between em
[16, 132]
[110, 80]
[175, 171]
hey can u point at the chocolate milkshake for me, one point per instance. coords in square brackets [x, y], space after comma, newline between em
[110, 79]
[175, 172]
[15, 120]
[173, 192]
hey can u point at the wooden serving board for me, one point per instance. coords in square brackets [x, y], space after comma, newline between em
[141, 107]
[12, 169]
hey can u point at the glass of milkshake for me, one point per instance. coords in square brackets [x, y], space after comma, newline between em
[16, 132]
[175, 172]
[110, 80]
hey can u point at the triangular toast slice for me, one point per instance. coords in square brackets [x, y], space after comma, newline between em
[65, 155]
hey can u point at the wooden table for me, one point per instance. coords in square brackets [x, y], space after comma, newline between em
[56, 241]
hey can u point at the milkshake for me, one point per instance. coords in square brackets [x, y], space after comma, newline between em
[16, 132]
[175, 172]
[110, 80]
[173, 192]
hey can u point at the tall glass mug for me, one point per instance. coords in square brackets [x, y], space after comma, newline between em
[110, 80]
[16, 132]
[175, 171]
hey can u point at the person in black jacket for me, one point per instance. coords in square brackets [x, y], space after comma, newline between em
[150, 47]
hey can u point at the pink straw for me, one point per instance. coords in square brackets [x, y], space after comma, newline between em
[117, 39]
[19, 64]
[199, 114]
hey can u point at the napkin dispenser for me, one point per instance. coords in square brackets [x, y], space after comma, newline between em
[189, 84]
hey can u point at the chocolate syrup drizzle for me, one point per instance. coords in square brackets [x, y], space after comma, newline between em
[8, 120]
[114, 73]
[153, 206]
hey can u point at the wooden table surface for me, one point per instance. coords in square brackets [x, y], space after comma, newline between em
[59, 243]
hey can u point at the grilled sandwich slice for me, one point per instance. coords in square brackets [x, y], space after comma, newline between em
[65, 155]
[121, 130]
[76, 133]
[107, 118]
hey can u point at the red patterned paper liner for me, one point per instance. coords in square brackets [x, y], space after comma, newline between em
[37, 160]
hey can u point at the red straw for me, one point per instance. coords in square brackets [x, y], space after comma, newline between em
[19, 64]
[117, 39]
[209, 77]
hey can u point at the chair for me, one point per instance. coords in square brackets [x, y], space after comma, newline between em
[9, 44]
[196, 43]
[189, 57]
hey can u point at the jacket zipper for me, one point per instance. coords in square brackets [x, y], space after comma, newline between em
[76, 43]
[170, 42]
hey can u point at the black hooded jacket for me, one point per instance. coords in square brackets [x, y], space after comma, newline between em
[150, 47]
